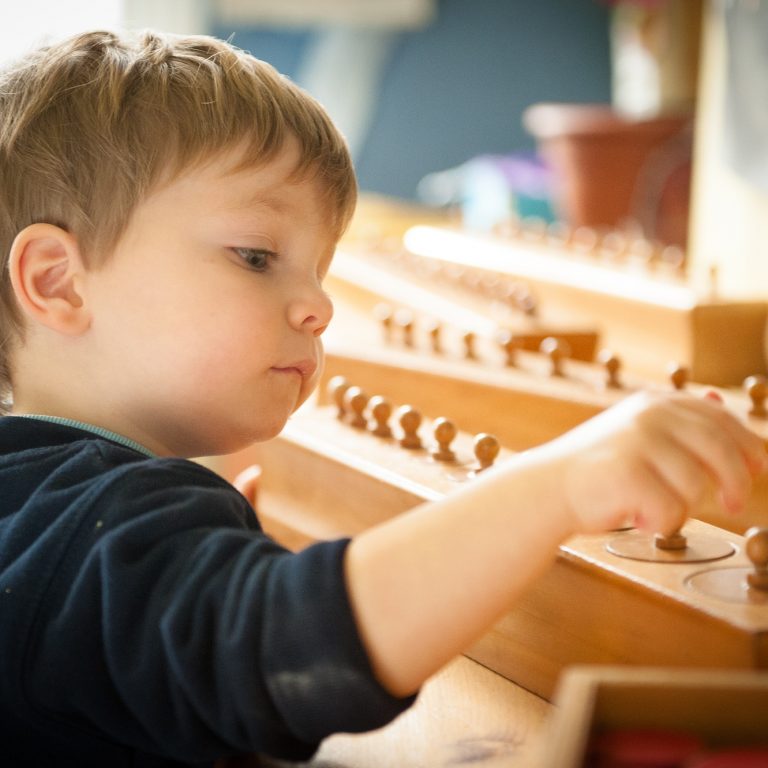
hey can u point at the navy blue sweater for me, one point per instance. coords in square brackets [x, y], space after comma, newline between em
[146, 620]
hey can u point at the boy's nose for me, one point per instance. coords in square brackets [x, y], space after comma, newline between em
[312, 311]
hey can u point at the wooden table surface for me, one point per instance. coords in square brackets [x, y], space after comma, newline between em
[465, 715]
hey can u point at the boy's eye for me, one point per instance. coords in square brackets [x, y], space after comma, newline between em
[257, 259]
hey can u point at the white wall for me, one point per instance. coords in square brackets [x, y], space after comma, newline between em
[729, 218]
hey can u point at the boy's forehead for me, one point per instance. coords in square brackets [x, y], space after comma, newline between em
[220, 186]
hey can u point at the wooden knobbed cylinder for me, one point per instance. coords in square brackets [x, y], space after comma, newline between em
[486, 450]
[404, 322]
[433, 329]
[557, 350]
[468, 339]
[674, 541]
[757, 389]
[509, 344]
[756, 549]
[612, 365]
[444, 432]
[355, 401]
[679, 375]
[337, 388]
[410, 421]
[383, 314]
[381, 410]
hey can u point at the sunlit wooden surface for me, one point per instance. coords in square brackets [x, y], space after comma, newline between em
[466, 715]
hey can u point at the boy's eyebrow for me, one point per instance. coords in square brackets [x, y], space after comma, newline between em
[262, 199]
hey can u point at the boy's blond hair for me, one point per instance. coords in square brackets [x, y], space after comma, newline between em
[90, 125]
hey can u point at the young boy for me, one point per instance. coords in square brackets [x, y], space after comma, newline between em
[169, 208]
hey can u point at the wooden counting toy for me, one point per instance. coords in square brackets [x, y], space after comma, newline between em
[596, 604]
[526, 405]
[657, 313]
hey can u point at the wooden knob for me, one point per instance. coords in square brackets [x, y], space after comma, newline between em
[612, 365]
[559, 233]
[675, 541]
[410, 421]
[585, 239]
[641, 251]
[403, 320]
[614, 245]
[468, 339]
[557, 350]
[337, 387]
[444, 432]
[672, 257]
[526, 302]
[489, 285]
[509, 344]
[434, 333]
[756, 548]
[381, 410]
[383, 315]
[679, 375]
[355, 401]
[486, 450]
[757, 389]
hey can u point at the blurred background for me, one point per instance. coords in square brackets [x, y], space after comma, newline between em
[642, 115]
[417, 85]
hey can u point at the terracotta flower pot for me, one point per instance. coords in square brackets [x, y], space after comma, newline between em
[609, 169]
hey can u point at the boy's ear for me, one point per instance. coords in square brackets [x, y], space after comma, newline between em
[46, 271]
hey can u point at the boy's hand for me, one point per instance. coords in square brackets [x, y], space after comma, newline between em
[247, 482]
[651, 458]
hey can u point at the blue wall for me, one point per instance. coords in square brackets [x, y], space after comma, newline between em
[457, 88]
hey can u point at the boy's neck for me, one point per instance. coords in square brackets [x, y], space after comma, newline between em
[107, 434]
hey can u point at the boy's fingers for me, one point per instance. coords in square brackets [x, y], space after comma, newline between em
[749, 444]
[659, 509]
[680, 470]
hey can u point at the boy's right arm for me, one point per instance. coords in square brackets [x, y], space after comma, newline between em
[427, 584]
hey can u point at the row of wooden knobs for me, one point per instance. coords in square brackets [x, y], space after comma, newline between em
[512, 292]
[613, 245]
[402, 322]
[354, 407]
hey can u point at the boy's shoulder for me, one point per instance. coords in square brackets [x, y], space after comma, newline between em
[45, 464]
